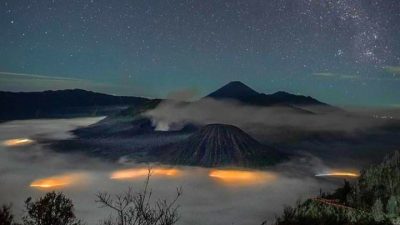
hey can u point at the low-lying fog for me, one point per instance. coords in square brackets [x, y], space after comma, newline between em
[210, 196]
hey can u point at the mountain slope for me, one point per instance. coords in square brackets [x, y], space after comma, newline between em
[379, 183]
[282, 97]
[221, 145]
[25, 105]
[372, 200]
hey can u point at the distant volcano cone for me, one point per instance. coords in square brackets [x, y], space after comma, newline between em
[233, 90]
[222, 145]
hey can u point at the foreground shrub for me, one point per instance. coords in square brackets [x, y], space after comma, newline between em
[51, 209]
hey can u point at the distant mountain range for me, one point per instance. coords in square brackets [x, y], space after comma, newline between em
[217, 145]
[236, 90]
[62, 103]
[77, 102]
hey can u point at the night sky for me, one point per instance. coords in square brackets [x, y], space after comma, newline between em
[344, 52]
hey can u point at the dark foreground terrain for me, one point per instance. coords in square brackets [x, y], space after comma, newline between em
[374, 199]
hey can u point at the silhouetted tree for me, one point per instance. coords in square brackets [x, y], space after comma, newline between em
[137, 208]
[52, 209]
[6, 217]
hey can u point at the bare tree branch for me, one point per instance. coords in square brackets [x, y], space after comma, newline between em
[138, 208]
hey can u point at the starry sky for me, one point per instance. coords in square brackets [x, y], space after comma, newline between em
[344, 52]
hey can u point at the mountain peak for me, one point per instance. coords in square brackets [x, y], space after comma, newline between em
[233, 90]
[237, 83]
[281, 93]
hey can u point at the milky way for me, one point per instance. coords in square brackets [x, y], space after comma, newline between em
[153, 48]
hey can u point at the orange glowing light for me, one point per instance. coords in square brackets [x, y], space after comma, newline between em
[17, 142]
[56, 182]
[242, 177]
[142, 172]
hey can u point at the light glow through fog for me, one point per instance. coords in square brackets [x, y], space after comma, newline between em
[242, 177]
[337, 173]
[143, 172]
[17, 142]
[57, 182]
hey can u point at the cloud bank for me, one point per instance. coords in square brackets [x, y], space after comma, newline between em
[174, 115]
[204, 201]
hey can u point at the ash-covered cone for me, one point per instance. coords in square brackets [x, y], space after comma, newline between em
[222, 145]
